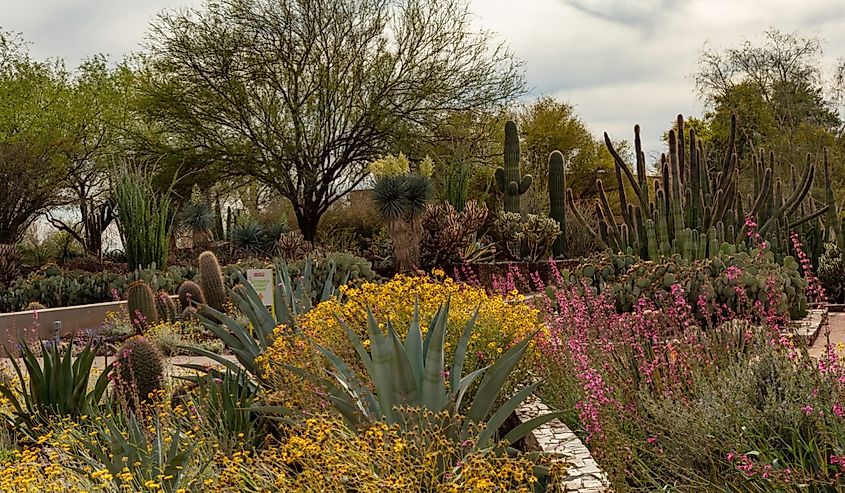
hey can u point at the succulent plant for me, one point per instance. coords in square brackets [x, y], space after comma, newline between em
[139, 371]
[400, 202]
[10, 260]
[411, 374]
[141, 303]
[248, 236]
[190, 293]
[448, 233]
[211, 281]
[200, 219]
[557, 200]
[293, 246]
[509, 180]
[165, 306]
[831, 273]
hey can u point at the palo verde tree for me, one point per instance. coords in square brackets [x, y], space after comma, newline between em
[304, 94]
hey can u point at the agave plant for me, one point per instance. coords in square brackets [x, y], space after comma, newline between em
[57, 386]
[411, 374]
[248, 236]
[159, 456]
[291, 299]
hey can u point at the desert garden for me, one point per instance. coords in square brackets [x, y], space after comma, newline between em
[463, 292]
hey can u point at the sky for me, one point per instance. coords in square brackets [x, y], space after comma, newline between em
[620, 62]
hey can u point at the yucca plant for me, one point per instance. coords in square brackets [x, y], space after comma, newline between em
[56, 386]
[199, 218]
[410, 374]
[292, 298]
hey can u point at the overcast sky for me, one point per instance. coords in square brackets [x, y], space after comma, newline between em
[620, 62]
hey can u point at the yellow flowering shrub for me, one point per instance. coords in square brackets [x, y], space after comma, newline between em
[501, 321]
[325, 455]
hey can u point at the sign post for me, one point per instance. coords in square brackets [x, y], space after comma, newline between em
[262, 281]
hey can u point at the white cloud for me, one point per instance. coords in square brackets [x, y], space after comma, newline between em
[620, 62]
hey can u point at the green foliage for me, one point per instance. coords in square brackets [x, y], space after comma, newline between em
[411, 374]
[400, 202]
[211, 281]
[227, 403]
[54, 387]
[144, 217]
[509, 179]
[142, 304]
[247, 341]
[160, 456]
[138, 372]
[831, 273]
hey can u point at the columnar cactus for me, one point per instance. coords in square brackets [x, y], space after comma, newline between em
[509, 180]
[189, 294]
[557, 204]
[139, 371]
[211, 281]
[696, 209]
[141, 304]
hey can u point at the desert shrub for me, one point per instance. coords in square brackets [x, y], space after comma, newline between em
[325, 455]
[662, 399]
[501, 320]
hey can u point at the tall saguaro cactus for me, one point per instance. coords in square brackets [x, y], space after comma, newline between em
[557, 204]
[511, 183]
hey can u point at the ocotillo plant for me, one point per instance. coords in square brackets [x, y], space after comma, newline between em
[697, 208]
[509, 180]
[557, 205]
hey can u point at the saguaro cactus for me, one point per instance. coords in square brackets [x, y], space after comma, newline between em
[557, 204]
[511, 183]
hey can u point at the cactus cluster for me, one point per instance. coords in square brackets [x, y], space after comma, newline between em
[447, 233]
[721, 280]
[138, 371]
[696, 208]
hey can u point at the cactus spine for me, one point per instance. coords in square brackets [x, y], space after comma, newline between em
[211, 281]
[509, 180]
[557, 205]
[141, 304]
[189, 294]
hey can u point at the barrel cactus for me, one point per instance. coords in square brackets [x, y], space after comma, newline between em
[142, 305]
[190, 293]
[165, 306]
[211, 281]
[138, 372]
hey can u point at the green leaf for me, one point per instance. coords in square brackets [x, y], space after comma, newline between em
[502, 414]
[461, 351]
[414, 346]
[433, 392]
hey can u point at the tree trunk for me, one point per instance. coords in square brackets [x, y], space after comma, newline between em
[307, 222]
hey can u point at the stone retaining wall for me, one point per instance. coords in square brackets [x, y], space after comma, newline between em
[554, 437]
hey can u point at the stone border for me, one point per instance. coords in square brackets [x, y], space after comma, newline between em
[583, 473]
[810, 326]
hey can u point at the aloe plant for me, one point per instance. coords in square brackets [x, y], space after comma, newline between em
[57, 386]
[292, 298]
[411, 374]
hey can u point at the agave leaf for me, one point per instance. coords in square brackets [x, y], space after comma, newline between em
[464, 384]
[328, 285]
[382, 366]
[532, 424]
[352, 383]
[461, 351]
[493, 381]
[358, 345]
[218, 358]
[238, 333]
[405, 390]
[501, 414]
[433, 395]
[414, 346]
